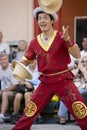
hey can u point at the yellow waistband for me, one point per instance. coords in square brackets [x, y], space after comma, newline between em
[55, 73]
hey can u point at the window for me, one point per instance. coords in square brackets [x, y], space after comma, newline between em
[80, 29]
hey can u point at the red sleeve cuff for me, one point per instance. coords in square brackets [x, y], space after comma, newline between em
[70, 43]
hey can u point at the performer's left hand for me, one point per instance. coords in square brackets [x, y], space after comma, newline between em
[65, 35]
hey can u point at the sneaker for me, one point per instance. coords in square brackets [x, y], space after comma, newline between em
[1, 118]
[62, 120]
[15, 118]
[38, 120]
[7, 118]
[76, 123]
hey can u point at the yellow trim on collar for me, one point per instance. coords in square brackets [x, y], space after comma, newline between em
[46, 46]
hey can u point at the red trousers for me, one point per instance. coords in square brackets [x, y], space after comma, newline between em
[67, 92]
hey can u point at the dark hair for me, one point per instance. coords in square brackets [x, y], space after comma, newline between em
[51, 17]
[84, 36]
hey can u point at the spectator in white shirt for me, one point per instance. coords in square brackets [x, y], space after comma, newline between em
[84, 45]
[8, 84]
[22, 47]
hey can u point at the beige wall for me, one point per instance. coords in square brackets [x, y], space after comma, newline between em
[16, 21]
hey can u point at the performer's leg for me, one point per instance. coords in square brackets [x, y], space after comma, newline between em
[40, 98]
[70, 95]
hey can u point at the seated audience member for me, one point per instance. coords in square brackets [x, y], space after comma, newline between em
[84, 45]
[8, 84]
[22, 47]
[74, 61]
[25, 90]
[81, 82]
[4, 47]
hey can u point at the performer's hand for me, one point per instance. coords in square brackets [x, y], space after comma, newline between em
[65, 35]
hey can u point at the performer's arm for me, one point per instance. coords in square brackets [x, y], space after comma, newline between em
[74, 49]
[25, 61]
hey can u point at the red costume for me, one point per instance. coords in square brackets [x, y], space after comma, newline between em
[52, 60]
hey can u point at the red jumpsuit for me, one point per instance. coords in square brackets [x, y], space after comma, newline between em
[52, 60]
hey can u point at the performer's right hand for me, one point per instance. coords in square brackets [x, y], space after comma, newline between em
[65, 35]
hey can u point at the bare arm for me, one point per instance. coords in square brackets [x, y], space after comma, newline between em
[28, 85]
[85, 75]
[11, 88]
[74, 49]
[25, 61]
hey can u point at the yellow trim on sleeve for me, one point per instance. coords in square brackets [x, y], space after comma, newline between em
[70, 48]
[25, 59]
[73, 45]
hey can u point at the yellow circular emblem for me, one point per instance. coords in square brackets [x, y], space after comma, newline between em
[80, 109]
[30, 109]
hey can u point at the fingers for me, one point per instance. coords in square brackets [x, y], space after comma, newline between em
[65, 29]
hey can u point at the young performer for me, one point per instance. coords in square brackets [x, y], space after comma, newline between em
[51, 49]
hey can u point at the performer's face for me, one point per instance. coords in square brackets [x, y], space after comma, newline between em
[44, 22]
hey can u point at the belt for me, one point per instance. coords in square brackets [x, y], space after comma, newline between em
[61, 72]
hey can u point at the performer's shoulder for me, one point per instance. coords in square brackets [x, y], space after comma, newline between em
[33, 40]
[59, 33]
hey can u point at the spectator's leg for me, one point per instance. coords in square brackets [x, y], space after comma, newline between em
[62, 113]
[27, 97]
[62, 110]
[17, 102]
[6, 96]
[0, 99]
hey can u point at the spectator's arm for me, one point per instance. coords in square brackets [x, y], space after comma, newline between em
[11, 88]
[83, 70]
[85, 75]
[28, 85]
[75, 71]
